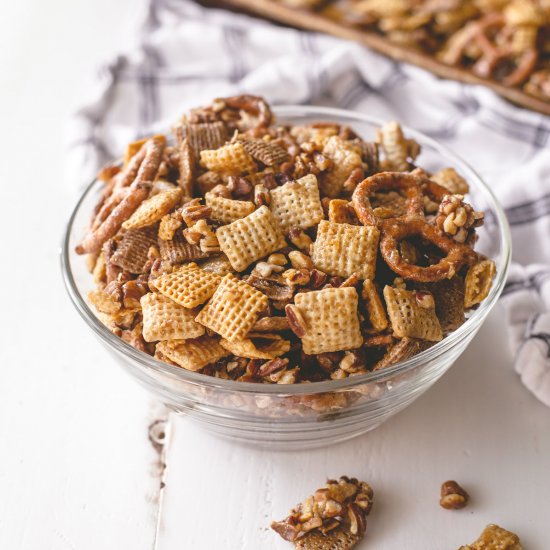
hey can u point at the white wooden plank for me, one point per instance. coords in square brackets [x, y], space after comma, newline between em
[477, 425]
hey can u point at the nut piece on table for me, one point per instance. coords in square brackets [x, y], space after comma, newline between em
[453, 496]
[494, 537]
[333, 517]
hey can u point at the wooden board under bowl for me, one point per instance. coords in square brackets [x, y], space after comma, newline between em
[315, 22]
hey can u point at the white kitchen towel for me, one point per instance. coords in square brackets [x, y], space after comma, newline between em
[185, 55]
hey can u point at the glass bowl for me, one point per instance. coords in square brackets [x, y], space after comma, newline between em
[301, 415]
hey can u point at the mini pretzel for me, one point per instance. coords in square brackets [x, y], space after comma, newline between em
[394, 231]
[116, 189]
[492, 54]
[395, 181]
[474, 31]
[138, 191]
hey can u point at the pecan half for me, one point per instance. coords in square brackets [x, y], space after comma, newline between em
[240, 187]
[269, 324]
[193, 211]
[296, 321]
[271, 366]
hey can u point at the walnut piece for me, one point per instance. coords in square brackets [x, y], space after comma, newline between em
[453, 496]
[455, 217]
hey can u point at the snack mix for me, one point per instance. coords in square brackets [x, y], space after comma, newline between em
[507, 41]
[495, 538]
[257, 252]
[333, 518]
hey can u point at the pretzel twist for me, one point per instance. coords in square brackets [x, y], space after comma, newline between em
[395, 230]
[408, 184]
[125, 203]
[254, 105]
[492, 54]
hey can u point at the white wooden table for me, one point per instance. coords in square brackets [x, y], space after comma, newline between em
[78, 469]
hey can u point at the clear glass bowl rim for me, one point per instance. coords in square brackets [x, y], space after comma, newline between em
[471, 324]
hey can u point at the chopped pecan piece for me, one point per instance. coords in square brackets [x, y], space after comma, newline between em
[274, 287]
[453, 496]
[193, 211]
[269, 324]
[333, 514]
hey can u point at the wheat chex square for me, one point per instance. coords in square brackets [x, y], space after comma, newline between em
[341, 249]
[297, 203]
[331, 319]
[251, 238]
[233, 309]
[192, 354]
[163, 319]
[228, 210]
[189, 285]
[408, 319]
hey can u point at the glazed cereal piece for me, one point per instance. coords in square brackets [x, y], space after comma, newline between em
[267, 153]
[397, 149]
[333, 518]
[478, 282]
[401, 351]
[104, 302]
[231, 159]
[132, 251]
[233, 309]
[297, 203]
[163, 319]
[412, 314]
[154, 208]
[178, 250]
[449, 302]
[330, 320]
[317, 134]
[169, 224]
[342, 249]
[342, 211]
[189, 286]
[251, 238]
[204, 136]
[228, 210]
[451, 180]
[132, 149]
[192, 354]
[494, 537]
[346, 157]
[374, 306]
[258, 346]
